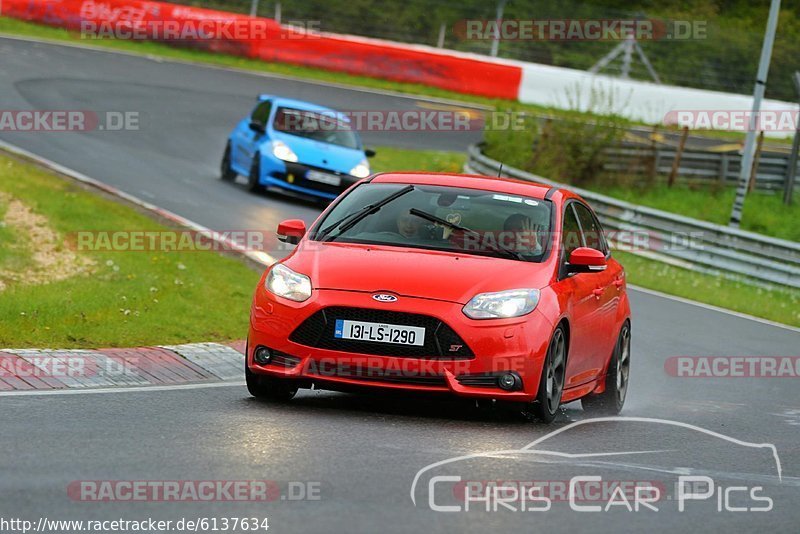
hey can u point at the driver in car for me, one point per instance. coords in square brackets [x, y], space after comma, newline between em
[525, 234]
[407, 225]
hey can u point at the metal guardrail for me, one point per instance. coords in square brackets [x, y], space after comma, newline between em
[674, 239]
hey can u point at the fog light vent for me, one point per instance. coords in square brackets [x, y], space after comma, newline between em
[262, 355]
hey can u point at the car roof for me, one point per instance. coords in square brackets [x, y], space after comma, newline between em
[297, 104]
[469, 181]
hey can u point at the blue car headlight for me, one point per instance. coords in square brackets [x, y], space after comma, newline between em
[361, 170]
[282, 151]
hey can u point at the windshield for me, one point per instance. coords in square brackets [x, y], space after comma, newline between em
[478, 222]
[326, 128]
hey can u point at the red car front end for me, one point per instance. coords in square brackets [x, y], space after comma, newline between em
[460, 355]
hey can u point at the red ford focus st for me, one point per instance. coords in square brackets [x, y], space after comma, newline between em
[474, 286]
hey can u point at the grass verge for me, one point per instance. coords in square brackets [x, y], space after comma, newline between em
[123, 299]
[398, 159]
[777, 304]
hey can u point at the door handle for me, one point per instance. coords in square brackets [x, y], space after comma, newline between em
[618, 282]
[598, 292]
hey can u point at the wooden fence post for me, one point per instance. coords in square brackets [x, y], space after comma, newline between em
[676, 163]
[756, 157]
[653, 163]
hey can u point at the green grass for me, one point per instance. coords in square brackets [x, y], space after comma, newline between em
[764, 213]
[132, 298]
[398, 159]
[777, 304]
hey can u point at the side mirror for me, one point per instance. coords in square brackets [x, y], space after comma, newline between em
[291, 231]
[586, 260]
[258, 127]
[369, 153]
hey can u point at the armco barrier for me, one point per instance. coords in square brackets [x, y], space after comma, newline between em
[462, 73]
[704, 246]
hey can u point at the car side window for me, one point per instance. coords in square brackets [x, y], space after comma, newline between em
[591, 229]
[261, 113]
[571, 235]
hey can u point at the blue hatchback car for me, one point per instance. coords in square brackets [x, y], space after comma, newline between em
[296, 146]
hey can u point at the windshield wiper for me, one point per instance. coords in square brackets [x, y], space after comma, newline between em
[463, 229]
[352, 219]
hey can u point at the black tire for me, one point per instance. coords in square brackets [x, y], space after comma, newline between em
[253, 178]
[268, 387]
[226, 174]
[611, 401]
[551, 385]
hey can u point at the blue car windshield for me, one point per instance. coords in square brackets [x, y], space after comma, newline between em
[322, 127]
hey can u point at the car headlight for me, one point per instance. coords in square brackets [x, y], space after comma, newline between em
[282, 151]
[503, 304]
[361, 170]
[286, 283]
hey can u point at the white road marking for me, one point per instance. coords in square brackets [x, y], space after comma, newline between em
[140, 389]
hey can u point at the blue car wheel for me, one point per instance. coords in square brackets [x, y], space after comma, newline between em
[227, 174]
[254, 178]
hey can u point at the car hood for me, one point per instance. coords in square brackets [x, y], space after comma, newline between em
[413, 272]
[323, 155]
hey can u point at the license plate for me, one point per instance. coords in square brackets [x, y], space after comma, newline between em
[323, 178]
[379, 332]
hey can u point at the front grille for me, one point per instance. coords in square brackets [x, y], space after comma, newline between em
[441, 342]
[394, 376]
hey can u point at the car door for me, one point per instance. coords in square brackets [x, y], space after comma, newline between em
[585, 303]
[605, 290]
[248, 139]
[605, 283]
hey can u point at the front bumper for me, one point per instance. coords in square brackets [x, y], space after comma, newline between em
[498, 347]
[293, 177]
